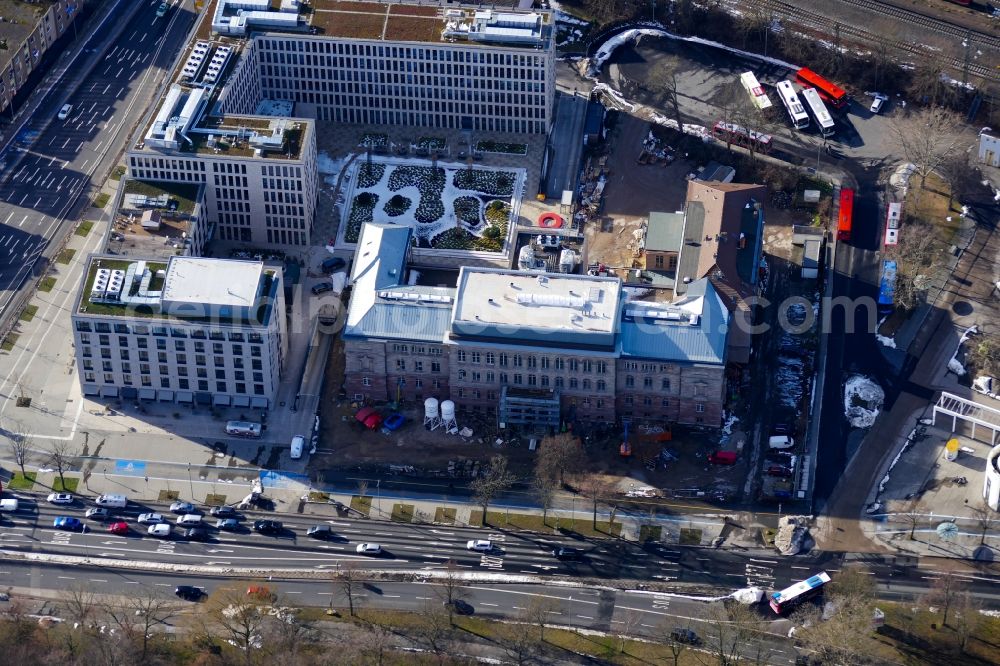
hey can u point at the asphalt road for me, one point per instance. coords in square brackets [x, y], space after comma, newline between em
[407, 546]
[41, 191]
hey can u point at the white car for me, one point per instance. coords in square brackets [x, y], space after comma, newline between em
[65, 111]
[369, 549]
[61, 498]
[780, 442]
[879, 102]
[150, 518]
[480, 545]
[159, 530]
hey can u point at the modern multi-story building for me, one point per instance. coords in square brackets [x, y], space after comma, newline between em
[537, 348]
[240, 116]
[188, 330]
[395, 63]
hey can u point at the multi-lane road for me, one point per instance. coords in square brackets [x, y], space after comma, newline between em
[51, 162]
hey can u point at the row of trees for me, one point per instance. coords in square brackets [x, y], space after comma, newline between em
[58, 455]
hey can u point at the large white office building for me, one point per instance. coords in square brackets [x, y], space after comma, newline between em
[189, 330]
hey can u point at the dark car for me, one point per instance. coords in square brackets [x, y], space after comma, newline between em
[196, 534]
[684, 635]
[783, 429]
[568, 554]
[320, 532]
[333, 264]
[779, 470]
[267, 526]
[224, 512]
[461, 607]
[229, 524]
[189, 592]
[322, 287]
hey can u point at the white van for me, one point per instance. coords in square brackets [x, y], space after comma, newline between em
[243, 428]
[113, 501]
[189, 519]
[8, 505]
[297, 443]
[781, 442]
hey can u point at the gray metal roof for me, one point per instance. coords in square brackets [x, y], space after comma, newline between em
[664, 231]
[691, 329]
[403, 321]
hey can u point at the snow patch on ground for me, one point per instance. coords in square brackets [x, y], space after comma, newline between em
[862, 401]
[327, 165]
[883, 340]
[612, 44]
[731, 420]
[954, 365]
[616, 96]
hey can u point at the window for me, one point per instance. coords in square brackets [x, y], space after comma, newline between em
[574, 365]
[461, 356]
[700, 408]
[461, 375]
[586, 384]
[435, 366]
[560, 364]
[602, 367]
[665, 402]
[503, 359]
[202, 384]
[647, 382]
[477, 357]
[477, 376]
[418, 366]
[629, 400]
[142, 343]
[161, 343]
[665, 384]
[518, 379]
[532, 380]
[366, 381]
[400, 349]
[400, 365]
[165, 382]
[532, 362]
[199, 359]
[647, 401]
[629, 381]
[545, 380]
[588, 366]
[418, 383]
[559, 382]
[183, 384]
[220, 387]
[602, 385]
[258, 389]
[490, 358]
[182, 359]
[518, 361]
[573, 383]
[220, 373]
[490, 377]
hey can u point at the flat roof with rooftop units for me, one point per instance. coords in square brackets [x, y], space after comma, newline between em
[518, 307]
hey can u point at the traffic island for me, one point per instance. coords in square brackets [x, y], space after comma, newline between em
[535, 523]
[402, 513]
[444, 515]
[20, 481]
[362, 504]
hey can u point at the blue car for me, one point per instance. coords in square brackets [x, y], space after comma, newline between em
[394, 421]
[71, 524]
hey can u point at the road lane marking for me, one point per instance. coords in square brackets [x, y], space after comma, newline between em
[21, 223]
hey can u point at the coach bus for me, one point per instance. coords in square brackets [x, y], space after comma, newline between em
[846, 217]
[755, 90]
[887, 288]
[741, 136]
[788, 96]
[784, 600]
[819, 113]
[834, 95]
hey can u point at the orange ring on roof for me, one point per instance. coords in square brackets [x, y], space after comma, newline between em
[550, 220]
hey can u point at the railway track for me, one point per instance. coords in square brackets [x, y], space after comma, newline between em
[926, 21]
[805, 17]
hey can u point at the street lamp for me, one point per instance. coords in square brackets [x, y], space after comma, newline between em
[378, 500]
[190, 482]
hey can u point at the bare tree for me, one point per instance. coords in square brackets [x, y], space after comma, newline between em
[968, 620]
[596, 488]
[346, 581]
[962, 176]
[20, 445]
[544, 488]
[537, 613]
[363, 487]
[661, 81]
[81, 604]
[629, 623]
[237, 617]
[926, 138]
[518, 645]
[558, 455]
[61, 458]
[449, 589]
[985, 518]
[944, 592]
[734, 635]
[137, 615]
[918, 255]
[496, 480]
[433, 630]
[985, 354]
[841, 633]
[913, 515]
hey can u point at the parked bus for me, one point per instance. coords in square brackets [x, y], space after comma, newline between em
[846, 218]
[799, 592]
[893, 216]
[832, 94]
[788, 96]
[887, 288]
[755, 90]
[741, 136]
[819, 113]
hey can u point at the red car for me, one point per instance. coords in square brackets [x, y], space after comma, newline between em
[120, 527]
[722, 457]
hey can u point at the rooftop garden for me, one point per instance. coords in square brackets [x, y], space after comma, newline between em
[448, 207]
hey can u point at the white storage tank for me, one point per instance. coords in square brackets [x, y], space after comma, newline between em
[447, 411]
[526, 258]
[430, 408]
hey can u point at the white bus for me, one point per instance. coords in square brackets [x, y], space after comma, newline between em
[755, 90]
[819, 112]
[791, 596]
[800, 119]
